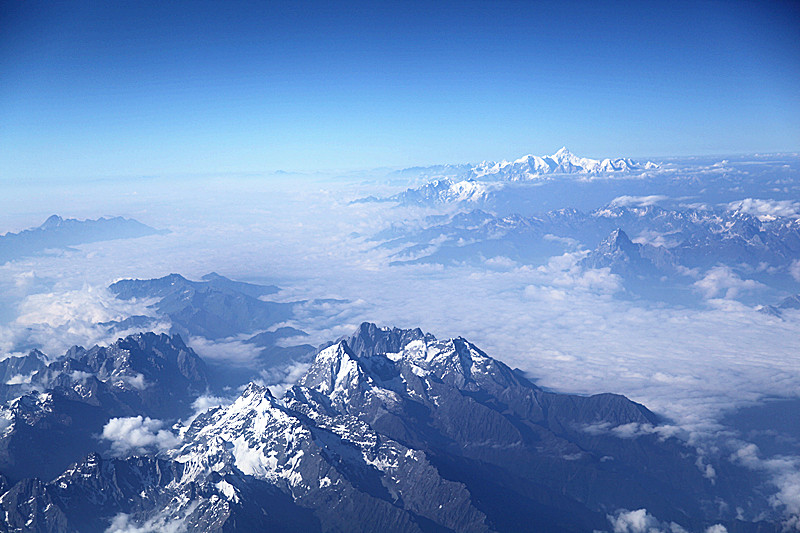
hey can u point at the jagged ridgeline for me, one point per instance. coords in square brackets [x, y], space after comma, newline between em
[216, 308]
[388, 430]
[57, 232]
[658, 253]
[56, 411]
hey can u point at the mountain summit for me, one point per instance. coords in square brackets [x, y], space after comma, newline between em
[532, 167]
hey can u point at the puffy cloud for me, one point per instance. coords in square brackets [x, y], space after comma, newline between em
[766, 209]
[722, 281]
[230, 351]
[56, 320]
[207, 401]
[640, 521]
[667, 240]
[138, 435]
[20, 379]
[90, 304]
[564, 272]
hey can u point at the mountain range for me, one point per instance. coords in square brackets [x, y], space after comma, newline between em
[394, 430]
[636, 242]
[57, 232]
[532, 167]
[479, 184]
[218, 308]
[54, 411]
[525, 186]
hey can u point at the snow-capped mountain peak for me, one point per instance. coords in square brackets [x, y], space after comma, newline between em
[532, 167]
[562, 153]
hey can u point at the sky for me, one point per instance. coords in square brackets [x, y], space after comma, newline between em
[104, 89]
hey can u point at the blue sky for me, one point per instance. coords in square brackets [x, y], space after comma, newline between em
[99, 89]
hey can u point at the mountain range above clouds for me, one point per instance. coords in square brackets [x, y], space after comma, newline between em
[448, 184]
[394, 430]
[216, 309]
[59, 233]
[533, 167]
[532, 184]
[649, 246]
[530, 168]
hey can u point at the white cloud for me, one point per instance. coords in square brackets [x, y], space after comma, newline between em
[123, 523]
[784, 473]
[766, 209]
[207, 401]
[137, 435]
[56, 320]
[638, 201]
[639, 521]
[634, 429]
[20, 379]
[794, 269]
[24, 279]
[88, 305]
[722, 281]
[280, 379]
[500, 261]
[231, 351]
[564, 272]
[655, 238]
[566, 241]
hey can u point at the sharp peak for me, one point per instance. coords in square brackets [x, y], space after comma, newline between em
[562, 153]
[254, 389]
[371, 328]
[176, 341]
[52, 220]
[618, 236]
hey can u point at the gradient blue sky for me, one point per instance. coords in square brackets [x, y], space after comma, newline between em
[97, 89]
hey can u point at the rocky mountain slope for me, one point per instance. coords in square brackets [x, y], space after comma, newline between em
[394, 430]
[53, 416]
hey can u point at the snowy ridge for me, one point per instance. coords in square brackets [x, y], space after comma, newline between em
[296, 445]
[483, 180]
[532, 167]
[389, 430]
[446, 190]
